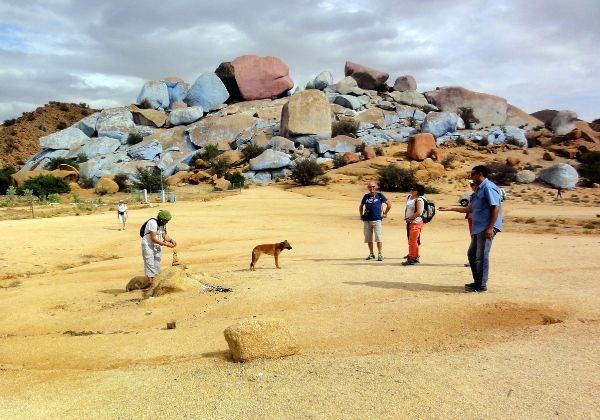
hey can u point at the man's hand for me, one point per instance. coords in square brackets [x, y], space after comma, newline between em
[489, 233]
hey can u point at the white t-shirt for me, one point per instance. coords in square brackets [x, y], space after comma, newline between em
[122, 208]
[411, 208]
[152, 226]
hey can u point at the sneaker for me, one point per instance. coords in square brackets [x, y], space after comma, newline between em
[370, 257]
[379, 257]
[470, 285]
[475, 289]
[406, 256]
[410, 261]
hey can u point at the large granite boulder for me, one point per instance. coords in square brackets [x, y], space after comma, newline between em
[88, 124]
[518, 118]
[149, 117]
[176, 149]
[440, 123]
[106, 184]
[17, 179]
[270, 159]
[560, 176]
[185, 116]
[215, 129]
[338, 144]
[366, 77]
[260, 338]
[564, 122]
[64, 139]
[321, 81]
[208, 92]
[146, 150]
[347, 86]
[177, 89]
[507, 134]
[409, 97]
[306, 113]
[420, 146]
[95, 147]
[525, 176]
[348, 101]
[406, 82]
[261, 77]
[487, 109]
[172, 280]
[116, 123]
[154, 94]
[281, 144]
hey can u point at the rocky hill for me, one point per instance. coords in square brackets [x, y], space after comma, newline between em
[19, 137]
[251, 103]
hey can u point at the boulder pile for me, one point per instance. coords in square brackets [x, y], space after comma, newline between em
[252, 102]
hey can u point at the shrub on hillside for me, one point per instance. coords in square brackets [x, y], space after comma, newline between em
[134, 138]
[252, 150]
[345, 127]
[122, 180]
[208, 153]
[5, 174]
[220, 165]
[501, 173]
[43, 185]
[61, 125]
[395, 178]
[590, 168]
[54, 163]
[307, 172]
[237, 180]
[148, 179]
[338, 160]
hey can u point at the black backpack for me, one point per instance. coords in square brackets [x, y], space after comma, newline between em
[143, 227]
[428, 210]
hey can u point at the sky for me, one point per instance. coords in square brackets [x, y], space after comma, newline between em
[538, 54]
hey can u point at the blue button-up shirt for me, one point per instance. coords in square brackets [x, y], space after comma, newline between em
[486, 196]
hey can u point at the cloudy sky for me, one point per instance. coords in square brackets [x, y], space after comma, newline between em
[538, 54]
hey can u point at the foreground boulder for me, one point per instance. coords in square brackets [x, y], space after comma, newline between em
[420, 146]
[261, 77]
[172, 280]
[366, 77]
[487, 109]
[560, 176]
[306, 113]
[256, 339]
[20, 177]
[154, 95]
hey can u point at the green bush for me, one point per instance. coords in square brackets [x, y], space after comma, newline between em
[54, 163]
[208, 153]
[5, 174]
[82, 157]
[122, 181]
[86, 182]
[220, 165]
[448, 160]
[252, 150]
[345, 127]
[237, 179]
[501, 173]
[378, 151]
[590, 167]
[148, 179]
[338, 160]
[61, 125]
[307, 172]
[430, 189]
[395, 178]
[42, 185]
[134, 138]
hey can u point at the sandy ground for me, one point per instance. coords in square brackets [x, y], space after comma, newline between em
[378, 340]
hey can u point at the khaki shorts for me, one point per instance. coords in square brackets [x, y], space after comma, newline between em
[373, 231]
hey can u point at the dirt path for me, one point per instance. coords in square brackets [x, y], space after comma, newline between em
[378, 340]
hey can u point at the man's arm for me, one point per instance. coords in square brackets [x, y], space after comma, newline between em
[457, 209]
[388, 207]
[489, 230]
[360, 209]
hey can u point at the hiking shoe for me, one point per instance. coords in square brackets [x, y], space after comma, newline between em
[470, 285]
[475, 289]
[380, 257]
[406, 256]
[370, 257]
[410, 261]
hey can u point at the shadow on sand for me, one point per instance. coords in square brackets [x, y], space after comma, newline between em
[411, 287]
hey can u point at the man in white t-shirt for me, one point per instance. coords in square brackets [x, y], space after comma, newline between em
[155, 236]
[122, 214]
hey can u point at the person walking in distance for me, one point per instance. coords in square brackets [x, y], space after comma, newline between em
[486, 210]
[122, 214]
[374, 206]
[414, 222]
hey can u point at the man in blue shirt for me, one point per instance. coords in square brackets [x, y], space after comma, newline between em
[486, 210]
[374, 206]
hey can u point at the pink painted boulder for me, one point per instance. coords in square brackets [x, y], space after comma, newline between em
[366, 77]
[261, 77]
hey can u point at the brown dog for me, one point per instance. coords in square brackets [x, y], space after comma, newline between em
[270, 249]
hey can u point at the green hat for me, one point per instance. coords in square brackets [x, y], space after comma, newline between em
[164, 215]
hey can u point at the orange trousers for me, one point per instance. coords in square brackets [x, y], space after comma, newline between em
[414, 232]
